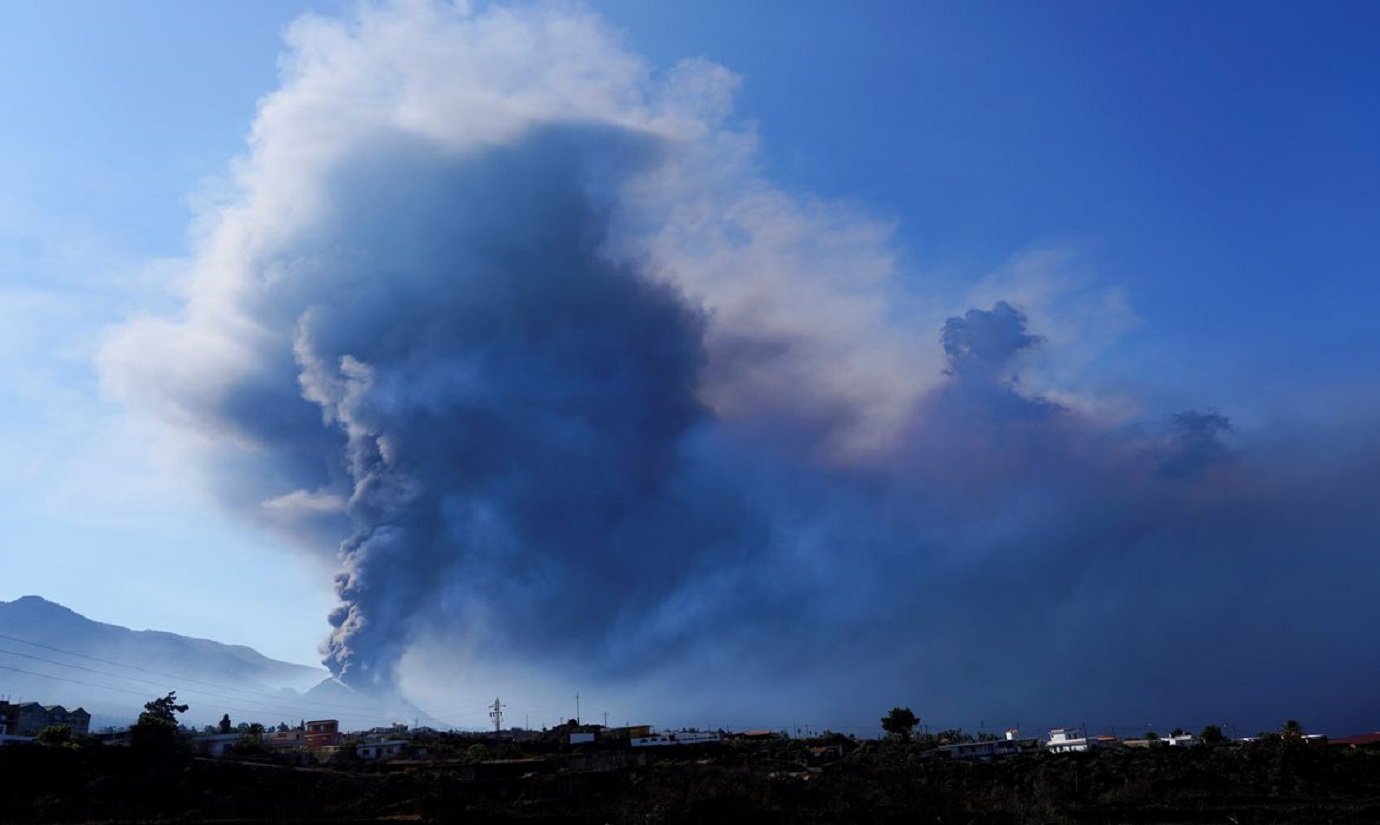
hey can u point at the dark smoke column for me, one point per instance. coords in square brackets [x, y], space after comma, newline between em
[512, 403]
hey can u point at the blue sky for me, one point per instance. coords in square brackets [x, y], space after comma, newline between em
[1216, 160]
[1181, 197]
[121, 117]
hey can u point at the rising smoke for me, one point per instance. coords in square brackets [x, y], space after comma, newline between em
[508, 321]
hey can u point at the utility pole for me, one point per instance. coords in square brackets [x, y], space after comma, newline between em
[577, 708]
[496, 714]
[606, 718]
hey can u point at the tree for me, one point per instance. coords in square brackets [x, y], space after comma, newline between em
[163, 709]
[1212, 735]
[1292, 730]
[899, 722]
[55, 735]
[952, 736]
[225, 724]
[251, 739]
[157, 725]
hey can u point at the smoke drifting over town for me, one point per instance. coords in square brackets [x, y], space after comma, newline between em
[508, 322]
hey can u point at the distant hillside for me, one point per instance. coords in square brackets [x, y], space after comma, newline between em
[368, 708]
[66, 658]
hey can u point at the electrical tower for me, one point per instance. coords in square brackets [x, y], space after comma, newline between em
[496, 714]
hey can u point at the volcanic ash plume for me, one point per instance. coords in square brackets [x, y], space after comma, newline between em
[511, 403]
[489, 291]
[508, 321]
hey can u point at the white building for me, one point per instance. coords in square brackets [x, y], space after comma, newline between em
[218, 744]
[986, 749]
[1068, 740]
[383, 749]
[671, 738]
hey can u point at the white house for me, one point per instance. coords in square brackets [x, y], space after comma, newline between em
[383, 749]
[1067, 740]
[991, 748]
[672, 738]
[218, 744]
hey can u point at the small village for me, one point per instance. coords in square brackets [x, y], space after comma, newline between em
[63, 771]
[323, 741]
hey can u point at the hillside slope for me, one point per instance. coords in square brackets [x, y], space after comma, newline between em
[54, 655]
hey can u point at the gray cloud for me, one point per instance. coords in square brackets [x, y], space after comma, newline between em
[986, 340]
[1196, 442]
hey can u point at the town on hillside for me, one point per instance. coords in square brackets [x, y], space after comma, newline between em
[58, 770]
[322, 741]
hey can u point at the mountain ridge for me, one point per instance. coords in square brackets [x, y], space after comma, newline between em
[53, 654]
[38, 602]
[42, 617]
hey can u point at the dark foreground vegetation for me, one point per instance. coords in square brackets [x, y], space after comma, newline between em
[780, 781]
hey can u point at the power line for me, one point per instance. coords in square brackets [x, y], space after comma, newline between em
[80, 667]
[105, 687]
[271, 704]
[247, 695]
[192, 693]
[267, 704]
[98, 659]
[110, 688]
[71, 681]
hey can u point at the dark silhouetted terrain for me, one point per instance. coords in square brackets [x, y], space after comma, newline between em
[1271, 782]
